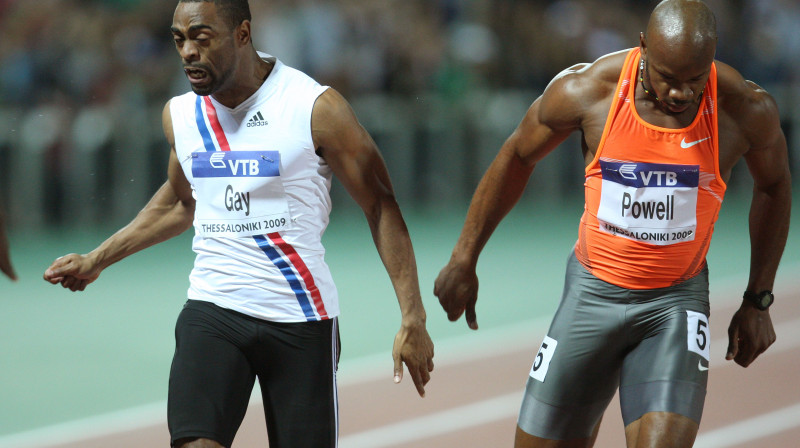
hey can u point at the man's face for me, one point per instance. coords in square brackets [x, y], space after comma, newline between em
[206, 45]
[677, 74]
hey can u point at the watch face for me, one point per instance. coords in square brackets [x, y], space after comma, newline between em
[765, 300]
[761, 300]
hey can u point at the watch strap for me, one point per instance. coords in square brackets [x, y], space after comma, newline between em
[761, 300]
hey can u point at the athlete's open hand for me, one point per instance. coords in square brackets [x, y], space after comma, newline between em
[457, 290]
[749, 334]
[413, 346]
[73, 271]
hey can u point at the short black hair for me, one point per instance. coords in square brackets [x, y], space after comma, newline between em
[234, 12]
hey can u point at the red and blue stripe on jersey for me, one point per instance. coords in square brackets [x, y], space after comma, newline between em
[280, 253]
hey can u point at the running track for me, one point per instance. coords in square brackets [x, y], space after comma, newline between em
[473, 398]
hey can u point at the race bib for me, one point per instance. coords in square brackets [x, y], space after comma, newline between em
[543, 358]
[239, 193]
[698, 334]
[653, 203]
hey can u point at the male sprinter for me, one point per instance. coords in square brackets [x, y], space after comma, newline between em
[662, 126]
[253, 150]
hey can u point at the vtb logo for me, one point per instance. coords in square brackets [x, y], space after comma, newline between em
[661, 177]
[217, 160]
[243, 167]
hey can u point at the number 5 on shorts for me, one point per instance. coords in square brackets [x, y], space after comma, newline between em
[542, 361]
[698, 334]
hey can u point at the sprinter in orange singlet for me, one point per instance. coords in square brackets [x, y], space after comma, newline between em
[662, 126]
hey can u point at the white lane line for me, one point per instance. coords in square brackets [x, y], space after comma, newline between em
[751, 429]
[505, 406]
[470, 346]
[439, 423]
[88, 428]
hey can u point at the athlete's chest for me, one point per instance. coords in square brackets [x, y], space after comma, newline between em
[239, 163]
[253, 138]
[263, 124]
[632, 136]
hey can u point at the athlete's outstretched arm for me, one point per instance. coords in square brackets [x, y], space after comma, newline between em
[357, 163]
[168, 213]
[751, 332]
[5, 259]
[549, 120]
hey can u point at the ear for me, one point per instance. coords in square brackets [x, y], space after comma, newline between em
[643, 45]
[242, 33]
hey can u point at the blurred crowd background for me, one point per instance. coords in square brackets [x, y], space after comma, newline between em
[438, 83]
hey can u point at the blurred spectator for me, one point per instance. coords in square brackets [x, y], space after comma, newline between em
[774, 40]
[116, 58]
[91, 46]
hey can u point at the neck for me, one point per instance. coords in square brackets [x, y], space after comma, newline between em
[646, 90]
[253, 75]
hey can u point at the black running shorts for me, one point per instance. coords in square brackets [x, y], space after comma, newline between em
[218, 355]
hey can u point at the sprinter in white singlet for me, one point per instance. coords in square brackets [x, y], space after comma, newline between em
[254, 148]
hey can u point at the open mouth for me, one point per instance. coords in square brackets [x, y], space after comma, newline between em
[196, 75]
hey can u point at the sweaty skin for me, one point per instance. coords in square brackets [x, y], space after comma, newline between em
[226, 64]
[219, 60]
[679, 49]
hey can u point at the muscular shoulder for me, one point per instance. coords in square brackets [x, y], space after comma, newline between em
[334, 126]
[577, 91]
[747, 107]
[166, 124]
[330, 115]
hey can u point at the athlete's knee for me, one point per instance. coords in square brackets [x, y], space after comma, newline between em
[524, 440]
[661, 430]
[196, 443]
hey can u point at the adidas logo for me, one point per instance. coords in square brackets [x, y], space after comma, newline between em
[257, 120]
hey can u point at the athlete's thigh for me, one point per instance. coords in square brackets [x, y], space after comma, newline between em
[210, 379]
[296, 367]
[668, 370]
[576, 371]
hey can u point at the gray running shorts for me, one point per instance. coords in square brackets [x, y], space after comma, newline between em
[653, 344]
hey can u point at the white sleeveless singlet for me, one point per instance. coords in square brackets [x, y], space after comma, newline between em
[263, 200]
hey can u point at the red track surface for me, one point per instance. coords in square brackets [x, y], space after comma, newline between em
[463, 394]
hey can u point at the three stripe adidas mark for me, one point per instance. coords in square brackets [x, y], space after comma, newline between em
[256, 120]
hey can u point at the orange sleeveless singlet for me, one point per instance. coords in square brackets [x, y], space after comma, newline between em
[652, 193]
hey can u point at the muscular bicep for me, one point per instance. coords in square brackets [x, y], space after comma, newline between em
[349, 150]
[534, 138]
[768, 165]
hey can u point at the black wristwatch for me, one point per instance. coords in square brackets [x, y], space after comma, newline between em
[761, 300]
